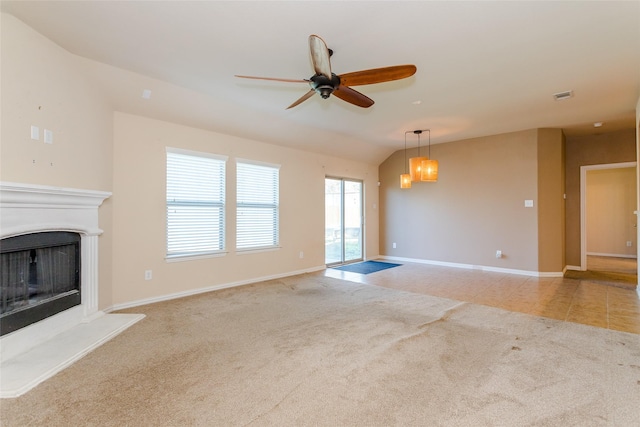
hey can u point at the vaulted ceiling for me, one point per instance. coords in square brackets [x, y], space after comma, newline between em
[482, 67]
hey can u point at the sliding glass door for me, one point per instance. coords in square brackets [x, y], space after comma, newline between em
[343, 221]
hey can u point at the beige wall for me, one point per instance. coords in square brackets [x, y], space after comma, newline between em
[551, 200]
[139, 210]
[614, 147]
[610, 202]
[42, 85]
[99, 149]
[477, 205]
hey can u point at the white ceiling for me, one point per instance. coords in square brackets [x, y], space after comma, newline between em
[483, 67]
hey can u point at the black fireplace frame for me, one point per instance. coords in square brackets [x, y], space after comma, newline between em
[15, 320]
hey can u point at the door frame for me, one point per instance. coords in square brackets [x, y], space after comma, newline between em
[342, 221]
[583, 203]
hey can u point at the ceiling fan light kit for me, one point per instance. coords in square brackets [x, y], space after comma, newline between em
[324, 82]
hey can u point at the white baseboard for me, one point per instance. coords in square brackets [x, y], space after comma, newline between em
[207, 289]
[573, 267]
[612, 255]
[477, 267]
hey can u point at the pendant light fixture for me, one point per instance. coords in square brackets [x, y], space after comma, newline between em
[405, 178]
[415, 163]
[421, 168]
[429, 167]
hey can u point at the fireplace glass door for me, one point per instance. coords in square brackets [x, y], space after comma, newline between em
[39, 277]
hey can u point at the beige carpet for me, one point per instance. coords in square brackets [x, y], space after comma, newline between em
[311, 350]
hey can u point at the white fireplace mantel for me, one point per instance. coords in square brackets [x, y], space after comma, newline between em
[34, 353]
[26, 208]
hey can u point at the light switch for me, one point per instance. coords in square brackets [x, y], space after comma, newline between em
[35, 132]
[528, 203]
[48, 136]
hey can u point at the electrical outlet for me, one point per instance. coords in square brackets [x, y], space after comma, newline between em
[394, 245]
[301, 254]
[147, 275]
[498, 254]
[629, 244]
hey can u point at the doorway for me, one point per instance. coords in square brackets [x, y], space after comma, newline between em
[343, 221]
[608, 220]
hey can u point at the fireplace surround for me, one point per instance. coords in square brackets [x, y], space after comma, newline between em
[27, 209]
[34, 353]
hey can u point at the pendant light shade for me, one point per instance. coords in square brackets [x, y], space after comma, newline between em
[415, 167]
[429, 171]
[415, 163]
[405, 180]
[429, 167]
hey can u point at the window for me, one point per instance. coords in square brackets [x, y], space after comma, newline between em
[257, 206]
[195, 203]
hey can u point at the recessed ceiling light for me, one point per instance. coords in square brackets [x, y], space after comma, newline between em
[418, 102]
[146, 94]
[597, 124]
[563, 95]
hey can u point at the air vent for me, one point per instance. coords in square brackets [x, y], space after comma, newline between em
[563, 95]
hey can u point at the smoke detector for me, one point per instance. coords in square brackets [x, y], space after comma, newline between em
[563, 95]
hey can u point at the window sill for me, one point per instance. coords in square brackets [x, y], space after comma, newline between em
[180, 258]
[257, 250]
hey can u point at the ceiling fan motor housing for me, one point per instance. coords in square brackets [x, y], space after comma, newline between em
[324, 85]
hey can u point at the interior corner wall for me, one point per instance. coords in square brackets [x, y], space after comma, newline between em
[43, 85]
[551, 216]
[475, 208]
[605, 148]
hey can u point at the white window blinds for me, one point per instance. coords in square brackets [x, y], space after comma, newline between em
[257, 206]
[195, 203]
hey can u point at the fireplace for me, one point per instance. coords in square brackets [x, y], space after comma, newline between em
[39, 277]
[44, 228]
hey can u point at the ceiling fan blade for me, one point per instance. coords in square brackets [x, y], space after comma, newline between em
[302, 98]
[320, 56]
[274, 79]
[352, 96]
[378, 75]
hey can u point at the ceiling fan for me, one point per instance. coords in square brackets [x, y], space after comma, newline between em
[326, 82]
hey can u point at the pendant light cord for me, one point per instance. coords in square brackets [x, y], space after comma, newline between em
[405, 152]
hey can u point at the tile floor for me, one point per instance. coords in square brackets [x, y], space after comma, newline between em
[570, 300]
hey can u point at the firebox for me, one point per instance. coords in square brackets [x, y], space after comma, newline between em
[39, 277]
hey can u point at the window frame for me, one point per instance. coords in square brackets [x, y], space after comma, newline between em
[275, 207]
[219, 204]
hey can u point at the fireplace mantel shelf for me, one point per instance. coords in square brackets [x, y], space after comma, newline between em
[41, 196]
